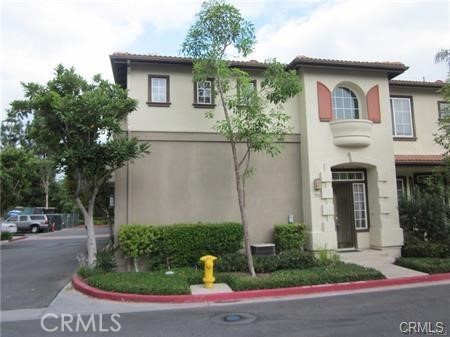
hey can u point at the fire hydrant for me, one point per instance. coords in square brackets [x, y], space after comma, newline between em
[208, 278]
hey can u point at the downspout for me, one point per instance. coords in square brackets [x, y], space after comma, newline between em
[128, 136]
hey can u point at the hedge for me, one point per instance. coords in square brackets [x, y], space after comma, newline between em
[289, 236]
[180, 244]
[289, 259]
[424, 264]
[426, 249]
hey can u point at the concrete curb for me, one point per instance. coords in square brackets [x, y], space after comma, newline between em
[86, 289]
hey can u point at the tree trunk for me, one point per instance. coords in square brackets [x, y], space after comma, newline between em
[239, 187]
[46, 188]
[88, 216]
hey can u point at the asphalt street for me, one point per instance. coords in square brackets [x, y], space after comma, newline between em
[377, 314]
[34, 270]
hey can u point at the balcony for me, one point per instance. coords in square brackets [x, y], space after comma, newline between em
[351, 132]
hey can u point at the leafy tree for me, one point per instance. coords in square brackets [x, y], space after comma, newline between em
[19, 178]
[253, 119]
[78, 123]
[443, 135]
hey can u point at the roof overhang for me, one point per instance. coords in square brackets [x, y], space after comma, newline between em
[418, 159]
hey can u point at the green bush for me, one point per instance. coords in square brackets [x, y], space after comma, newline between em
[290, 259]
[424, 215]
[86, 272]
[426, 265]
[289, 236]
[339, 272]
[181, 244]
[426, 249]
[106, 261]
[6, 236]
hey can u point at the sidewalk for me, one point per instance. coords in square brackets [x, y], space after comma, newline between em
[378, 260]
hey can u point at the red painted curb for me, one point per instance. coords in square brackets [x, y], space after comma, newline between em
[83, 287]
[18, 238]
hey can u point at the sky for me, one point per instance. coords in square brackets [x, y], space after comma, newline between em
[38, 35]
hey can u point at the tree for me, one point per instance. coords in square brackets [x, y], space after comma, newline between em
[443, 135]
[78, 123]
[253, 119]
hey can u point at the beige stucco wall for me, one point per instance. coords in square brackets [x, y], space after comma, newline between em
[181, 116]
[189, 178]
[425, 119]
[320, 155]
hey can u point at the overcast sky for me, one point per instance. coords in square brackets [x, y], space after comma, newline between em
[37, 35]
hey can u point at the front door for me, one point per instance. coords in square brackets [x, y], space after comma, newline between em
[343, 204]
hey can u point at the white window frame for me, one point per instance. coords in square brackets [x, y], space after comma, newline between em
[358, 220]
[394, 121]
[210, 93]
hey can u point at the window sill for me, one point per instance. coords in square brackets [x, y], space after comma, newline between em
[203, 106]
[362, 230]
[405, 139]
[157, 104]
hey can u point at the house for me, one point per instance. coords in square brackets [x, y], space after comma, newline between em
[359, 138]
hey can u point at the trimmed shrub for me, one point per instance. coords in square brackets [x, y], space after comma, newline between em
[426, 265]
[289, 236]
[426, 249]
[290, 259]
[6, 236]
[181, 244]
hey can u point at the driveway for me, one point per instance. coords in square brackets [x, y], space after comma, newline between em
[34, 270]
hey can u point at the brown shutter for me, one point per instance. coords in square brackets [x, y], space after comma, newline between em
[373, 105]
[324, 99]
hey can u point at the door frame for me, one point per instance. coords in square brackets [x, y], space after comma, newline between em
[354, 230]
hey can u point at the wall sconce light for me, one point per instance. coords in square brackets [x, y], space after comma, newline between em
[291, 218]
[317, 184]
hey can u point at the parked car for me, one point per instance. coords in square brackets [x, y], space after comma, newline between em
[9, 227]
[32, 222]
[13, 212]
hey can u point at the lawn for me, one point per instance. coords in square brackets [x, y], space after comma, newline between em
[158, 283]
[425, 264]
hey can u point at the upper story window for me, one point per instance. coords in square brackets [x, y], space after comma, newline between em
[204, 94]
[402, 119]
[345, 104]
[159, 90]
[245, 92]
[444, 109]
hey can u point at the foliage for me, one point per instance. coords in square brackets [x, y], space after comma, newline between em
[289, 236]
[289, 259]
[156, 283]
[78, 123]
[424, 215]
[19, 178]
[85, 271]
[339, 272]
[105, 261]
[181, 244]
[426, 265]
[253, 118]
[6, 236]
[425, 249]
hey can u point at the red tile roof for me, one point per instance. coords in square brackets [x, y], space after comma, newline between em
[420, 159]
[407, 83]
[305, 60]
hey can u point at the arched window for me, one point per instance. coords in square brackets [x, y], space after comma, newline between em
[345, 104]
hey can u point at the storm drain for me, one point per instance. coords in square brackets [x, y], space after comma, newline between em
[235, 318]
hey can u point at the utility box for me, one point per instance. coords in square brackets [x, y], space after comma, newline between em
[263, 249]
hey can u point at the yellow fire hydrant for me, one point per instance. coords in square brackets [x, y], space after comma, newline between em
[208, 278]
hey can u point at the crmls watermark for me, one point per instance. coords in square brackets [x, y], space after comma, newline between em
[423, 328]
[77, 323]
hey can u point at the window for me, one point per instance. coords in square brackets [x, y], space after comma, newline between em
[346, 176]
[158, 90]
[345, 104]
[401, 187]
[444, 109]
[402, 123]
[359, 205]
[37, 217]
[245, 92]
[204, 94]
[23, 218]
[12, 218]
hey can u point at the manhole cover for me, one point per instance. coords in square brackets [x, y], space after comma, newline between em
[234, 318]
